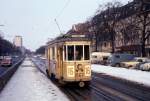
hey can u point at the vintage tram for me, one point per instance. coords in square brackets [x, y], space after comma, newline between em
[68, 59]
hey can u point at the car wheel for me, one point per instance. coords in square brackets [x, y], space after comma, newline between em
[118, 65]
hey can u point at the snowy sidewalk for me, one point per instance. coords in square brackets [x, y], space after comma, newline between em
[138, 76]
[28, 84]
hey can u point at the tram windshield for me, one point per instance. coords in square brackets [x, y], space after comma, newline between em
[76, 52]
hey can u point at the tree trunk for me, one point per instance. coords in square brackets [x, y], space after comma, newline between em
[143, 49]
[143, 36]
[112, 41]
[96, 42]
[113, 48]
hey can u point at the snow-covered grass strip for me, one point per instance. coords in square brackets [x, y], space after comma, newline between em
[141, 77]
[28, 84]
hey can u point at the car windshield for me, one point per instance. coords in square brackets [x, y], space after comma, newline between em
[139, 59]
[7, 57]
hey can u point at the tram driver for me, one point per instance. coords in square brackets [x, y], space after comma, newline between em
[79, 53]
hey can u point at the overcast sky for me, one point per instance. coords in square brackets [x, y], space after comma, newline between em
[34, 19]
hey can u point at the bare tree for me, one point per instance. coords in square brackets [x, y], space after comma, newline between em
[144, 16]
[112, 16]
[135, 26]
[96, 25]
[140, 23]
[104, 23]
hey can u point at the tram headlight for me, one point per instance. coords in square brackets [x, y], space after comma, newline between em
[70, 71]
[87, 70]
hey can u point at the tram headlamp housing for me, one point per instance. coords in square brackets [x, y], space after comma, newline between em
[79, 68]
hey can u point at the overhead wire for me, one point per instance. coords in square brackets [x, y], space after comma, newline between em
[59, 14]
[62, 10]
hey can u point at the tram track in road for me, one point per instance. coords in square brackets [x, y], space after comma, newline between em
[105, 88]
[74, 95]
[105, 96]
[111, 94]
[99, 92]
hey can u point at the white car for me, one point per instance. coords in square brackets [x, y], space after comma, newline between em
[133, 63]
[145, 66]
[100, 57]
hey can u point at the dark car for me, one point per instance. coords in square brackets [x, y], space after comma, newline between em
[6, 61]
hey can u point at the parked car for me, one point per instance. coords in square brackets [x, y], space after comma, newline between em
[145, 65]
[15, 58]
[43, 57]
[6, 61]
[100, 57]
[133, 63]
[116, 58]
[1, 58]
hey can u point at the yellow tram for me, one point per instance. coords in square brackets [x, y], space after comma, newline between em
[68, 59]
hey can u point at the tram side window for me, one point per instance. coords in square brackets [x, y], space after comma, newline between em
[53, 53]
[79, 52]
[65, 53]
[86, 52]
[71, 52]
[48, 54]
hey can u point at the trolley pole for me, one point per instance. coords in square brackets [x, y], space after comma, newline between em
[58, 26]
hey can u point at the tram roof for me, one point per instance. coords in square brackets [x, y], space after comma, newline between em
[66, 38]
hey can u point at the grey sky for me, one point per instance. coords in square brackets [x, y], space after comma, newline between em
[34, 19]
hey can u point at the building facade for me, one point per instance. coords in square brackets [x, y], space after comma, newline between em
[128, 30]
[18, 42]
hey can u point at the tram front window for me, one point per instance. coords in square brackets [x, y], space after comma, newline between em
[75, 52]
[86, 52]
[78, 52]
[70, 52]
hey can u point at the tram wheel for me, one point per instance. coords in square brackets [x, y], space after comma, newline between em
[81, 84]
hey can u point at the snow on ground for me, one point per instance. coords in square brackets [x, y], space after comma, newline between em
[138, 76]
[28, 84]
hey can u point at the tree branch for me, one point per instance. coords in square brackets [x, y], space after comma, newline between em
[147, 35]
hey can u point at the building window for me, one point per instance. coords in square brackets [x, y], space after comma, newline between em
[105, 44]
